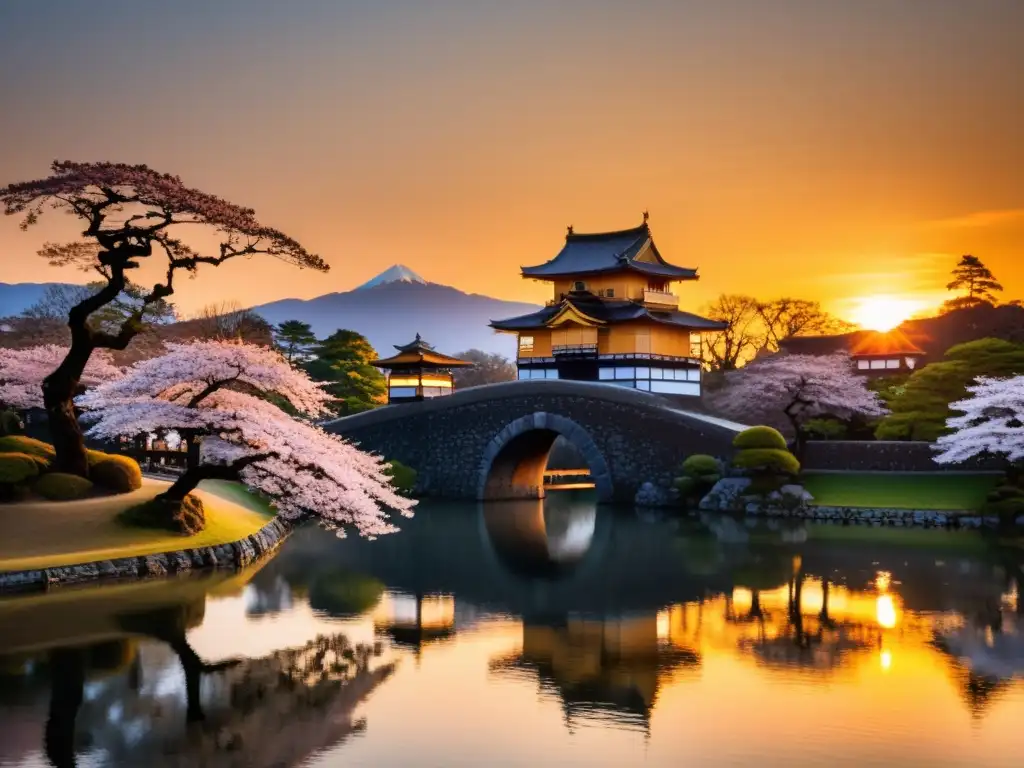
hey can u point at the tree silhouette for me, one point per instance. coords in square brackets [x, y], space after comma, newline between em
[971, 275]
[131, 214]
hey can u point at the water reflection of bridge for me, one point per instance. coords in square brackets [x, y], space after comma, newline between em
[614, 608]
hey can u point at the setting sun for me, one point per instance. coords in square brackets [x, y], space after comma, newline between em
[883, 313]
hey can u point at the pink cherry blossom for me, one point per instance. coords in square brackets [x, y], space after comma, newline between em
[217, 390]
[796, 388]
[22, 372]
[992, 423]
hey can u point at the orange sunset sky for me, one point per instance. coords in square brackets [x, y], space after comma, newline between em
[821, 148]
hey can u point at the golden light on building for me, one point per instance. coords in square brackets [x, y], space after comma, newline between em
[419, 372]
[613, 317]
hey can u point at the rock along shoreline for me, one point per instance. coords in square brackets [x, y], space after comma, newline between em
[233, 556]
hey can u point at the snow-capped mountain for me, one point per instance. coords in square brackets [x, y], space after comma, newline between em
[399, 273]
[396, 305]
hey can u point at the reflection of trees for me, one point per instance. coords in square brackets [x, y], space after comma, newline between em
[337, 592]
[344, 594]
[611, 665]
[818, 640]
[271, 711]
[253, 712]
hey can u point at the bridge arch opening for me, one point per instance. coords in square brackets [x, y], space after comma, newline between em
[516, 458]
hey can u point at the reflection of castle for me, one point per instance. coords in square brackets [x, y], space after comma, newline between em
[612, 665]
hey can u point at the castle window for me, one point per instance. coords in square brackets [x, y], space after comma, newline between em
[579, 285]
[610, 293]
[526, 343]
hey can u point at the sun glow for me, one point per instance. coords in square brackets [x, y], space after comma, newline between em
[883, 313]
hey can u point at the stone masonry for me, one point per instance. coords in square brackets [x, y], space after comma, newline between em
[457, 443]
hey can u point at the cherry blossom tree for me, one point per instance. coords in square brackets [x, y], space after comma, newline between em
[132, 214]
[217, 394]
[992, 423]
[795, 388]
[22, 372]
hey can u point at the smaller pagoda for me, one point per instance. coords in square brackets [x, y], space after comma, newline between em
[419, 372]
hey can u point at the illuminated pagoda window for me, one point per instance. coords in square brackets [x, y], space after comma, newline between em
[613, 317]
[419, 372]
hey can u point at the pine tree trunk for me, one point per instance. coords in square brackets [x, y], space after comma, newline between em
[59, 390]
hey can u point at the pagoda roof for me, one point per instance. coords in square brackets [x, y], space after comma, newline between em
[419, 352]
[597, 311]
[601, 252]
[893, 342]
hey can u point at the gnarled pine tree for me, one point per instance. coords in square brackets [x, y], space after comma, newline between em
[132, 213]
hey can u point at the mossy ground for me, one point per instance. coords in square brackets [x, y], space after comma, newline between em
[42, 534]
[900, 491]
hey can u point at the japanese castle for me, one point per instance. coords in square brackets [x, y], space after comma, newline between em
[613, 317]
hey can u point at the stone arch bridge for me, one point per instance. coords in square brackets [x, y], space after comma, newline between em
[492, 442]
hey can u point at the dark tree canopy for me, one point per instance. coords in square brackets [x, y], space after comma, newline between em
[294, 338]
[487, 369]
[343, 360]
[131, 215]
[976, 280]
[919, 408]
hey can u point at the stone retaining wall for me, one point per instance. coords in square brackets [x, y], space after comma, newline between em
[882, 456]
[234, 555]
[887, 517]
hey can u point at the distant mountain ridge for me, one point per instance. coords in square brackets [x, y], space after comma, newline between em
[393, 307]
[15, 298]
[390, 309]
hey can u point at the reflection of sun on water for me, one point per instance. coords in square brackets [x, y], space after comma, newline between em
[886, 660]
[883, 313]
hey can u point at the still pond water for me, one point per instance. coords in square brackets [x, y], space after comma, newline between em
[532, 634]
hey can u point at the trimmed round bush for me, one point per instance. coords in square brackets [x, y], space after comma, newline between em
[701, 465]
[18, 467]
[402, 477]
[60, 486]
[685, 485]
[771, 460]
[760, 437]
[94, 457]
[187, 517]
[22, 444]
[119, 474]
[825, 429]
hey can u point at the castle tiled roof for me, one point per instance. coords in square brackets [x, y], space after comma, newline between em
[605, 311]
[601, 252]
